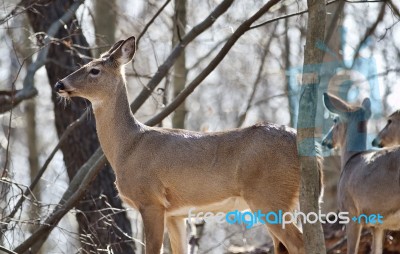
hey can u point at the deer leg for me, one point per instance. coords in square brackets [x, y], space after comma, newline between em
[279, 248]
[153, 222]
[290, 236]
[377, 240]
[353, 237]
[177, 234]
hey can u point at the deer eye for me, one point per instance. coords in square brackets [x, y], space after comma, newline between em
[94, 71]
[389, 121]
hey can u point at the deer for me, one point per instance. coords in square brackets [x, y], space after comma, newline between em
[389, 136]
[369, 182]
[164, 172]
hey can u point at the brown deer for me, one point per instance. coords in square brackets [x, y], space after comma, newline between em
[369, 182]
[390, 135]
[165, 172]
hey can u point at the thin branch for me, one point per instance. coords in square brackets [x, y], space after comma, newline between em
[190, 36]
[2, 248]
[201, 59]
[14, 12]
[256, 83]
[29, 190]
[244, 27]
[151, 21]
[306, 10]
[394, 8]
[29, 89]
[369, 32]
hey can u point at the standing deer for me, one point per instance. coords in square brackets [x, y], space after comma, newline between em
[369, 182]
[165, 172]
[390, 135]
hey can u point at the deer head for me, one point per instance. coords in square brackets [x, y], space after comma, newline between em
[390, 134]
[101, 77]
[350, 126]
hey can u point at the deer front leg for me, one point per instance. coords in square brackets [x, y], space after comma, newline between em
[353, 237]
[177, 234]
[153, 222]
[377, 241]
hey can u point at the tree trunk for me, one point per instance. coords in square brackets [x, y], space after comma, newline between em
[105, 23]
[180, 72]
[310, 175]
[103, 223]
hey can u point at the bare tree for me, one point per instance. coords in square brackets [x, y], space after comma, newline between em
[102, 219]
[310, 169]
[180, 72]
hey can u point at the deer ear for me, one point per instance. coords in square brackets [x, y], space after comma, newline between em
[112, 49]
[335, 104]
[125, 51]
[366, 104]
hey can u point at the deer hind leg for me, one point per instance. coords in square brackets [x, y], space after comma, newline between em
[290, 236]
[177, 234]
[153, 222]
[377, 242]
[279, 248]
[353, 237]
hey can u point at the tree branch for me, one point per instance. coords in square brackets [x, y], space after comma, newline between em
[151, 22]
[244, 27]
[369, 32]
[190, 36]
[29, 90]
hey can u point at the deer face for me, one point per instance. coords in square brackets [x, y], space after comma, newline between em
[350, 124]
[335, 137]
[390, 134]
[101, 77]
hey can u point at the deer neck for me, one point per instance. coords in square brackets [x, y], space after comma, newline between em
[116, 126]
[355, 143]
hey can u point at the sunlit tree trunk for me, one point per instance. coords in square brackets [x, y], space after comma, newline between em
[102, 221]
[310, 176]
[180, 72]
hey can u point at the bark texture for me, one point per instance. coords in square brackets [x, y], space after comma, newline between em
[310, 175]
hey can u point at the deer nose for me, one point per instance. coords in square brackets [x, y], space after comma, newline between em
[327, 143]
[377, 143]
[59, 86]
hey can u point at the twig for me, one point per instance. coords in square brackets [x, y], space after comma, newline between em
[190, 36]
[394, 8]
[368, 33]
[2, 248]
[29, 89]
[256, 82]
[244, 27]
[151, 22]
[305, 11]
[29, 190]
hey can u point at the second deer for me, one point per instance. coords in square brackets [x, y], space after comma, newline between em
[165, 172]
[369, 182]
[390, 135]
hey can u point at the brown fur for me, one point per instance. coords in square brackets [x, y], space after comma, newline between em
[369, 181]
[389, 136]
[164, 172]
